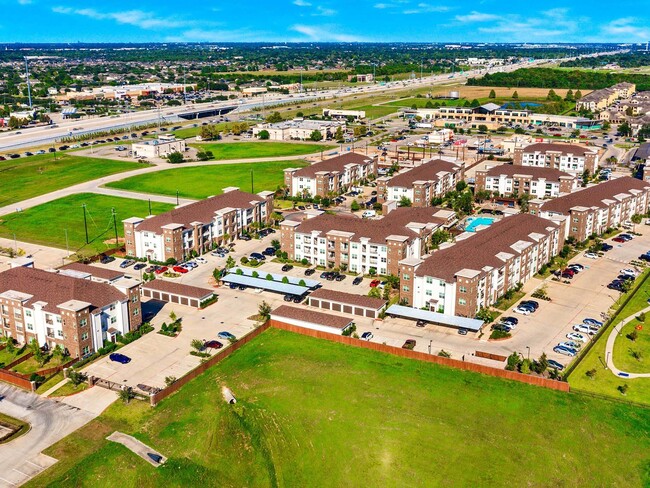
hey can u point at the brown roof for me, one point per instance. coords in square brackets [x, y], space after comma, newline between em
[348, 298]
[593, 196]
[56, 289]
[178, 289]
[201, 211]
[574, 149]
[425, 172]
[333, 165]
[375, 230]
[102, 273]
[481, 250]
[536, 172]
[312, 316]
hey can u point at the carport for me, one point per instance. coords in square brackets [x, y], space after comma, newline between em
[264, 284]
[311, 284]
[339, 301]
[435, 318]
[168, 291]
[310, 319]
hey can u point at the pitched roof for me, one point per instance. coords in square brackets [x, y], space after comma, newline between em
[201, 211]
[348, 298]
[102, 273]
[376, 230]
[332, 165]
[426, 172]
[178, 289]
[55, 289]
[593, 196]
[481, 249]
[536, 172]
[574, 149]
[311, 316]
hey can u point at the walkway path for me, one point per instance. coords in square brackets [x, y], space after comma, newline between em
[609, 348]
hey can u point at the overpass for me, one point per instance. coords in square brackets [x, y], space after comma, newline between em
[205, 113]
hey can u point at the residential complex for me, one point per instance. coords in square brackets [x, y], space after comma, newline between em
[481, 266]
[330, 177]
[507, 179]
[421, 184]
[594, 209]
[67, 308]
[299, 129]
[601, 99]
[196, 227]
[362, 245]
[570, 158]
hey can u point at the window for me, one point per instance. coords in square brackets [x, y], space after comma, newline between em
[83, 322]
[406, 277]
[113, 320]
[429, 280]
[462, 301]
[428, 293]
[86, 350]
[134, 298]
[28, 313]
[405, 288]
[462, 289]
[84, 336]
[59, 333]
[30, 327]
[136, 311]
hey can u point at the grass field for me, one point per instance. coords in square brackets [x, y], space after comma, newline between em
[25, 178]
[374, 111]
[23, 427]
[604, 382]
[69, 389]
[246, 150]
[7, 357]
[202, 181]
[46, 223]
[315, 413]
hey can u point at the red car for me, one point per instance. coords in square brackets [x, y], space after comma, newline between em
[213, 344]
[179, 269]
[619, 239]
[161, 269]
[374, 283]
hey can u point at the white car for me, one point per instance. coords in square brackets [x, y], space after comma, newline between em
[522, 311]
[577, 337]
[629, 272]
[585, 329]
[591, 255]
[201, 260]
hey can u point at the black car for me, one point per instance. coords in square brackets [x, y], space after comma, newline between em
[269, 251]
[331, 276]
[139, 266]
[258, 256]
[287, 267]
[510, 320]
[297, 299]
[107, 259]
[421, 323]
[51, 150]
[288, 298]
[340, 277]
[625, 277]
[644, 257]
[242, 287]
[245, 238]
[357, 280]
[309, 271]
[324, 275]
[233, 286]
[531, 303]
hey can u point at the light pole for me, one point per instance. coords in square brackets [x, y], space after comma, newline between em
[430, 342]
[607, 360]
[528, 347]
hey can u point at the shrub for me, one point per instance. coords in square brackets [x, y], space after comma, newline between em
[285, 280]
[304, 261]
[633, 336]
[253, 262]
[623, 388]
[499, 334]
[36, 378]
[591, 374]
[513, 361]
[269, 277]
[641, 317]
[444, 354]
[244, 260]
[255, 274]
[239, 271]
[302, 283]
[350, 330]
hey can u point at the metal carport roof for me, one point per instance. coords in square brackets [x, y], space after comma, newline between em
[435, 317]
[278, 277]
[276, 286]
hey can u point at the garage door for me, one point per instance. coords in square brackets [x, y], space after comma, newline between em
[347, 308]
[370, 313]
[184, 301]
[194, 303]
[336, 307]
[164, 297]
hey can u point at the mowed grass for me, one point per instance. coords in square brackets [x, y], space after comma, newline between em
[374, 111]
[28, 177]
[315, 413]
[606, 383]
[247, 150]
[46, 223]
[202, 181]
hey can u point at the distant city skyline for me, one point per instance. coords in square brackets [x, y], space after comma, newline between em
[326, 20]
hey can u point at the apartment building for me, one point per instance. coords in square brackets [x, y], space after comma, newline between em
[570, 158]
[299, 129]
[431, 179]
[507, 179]
[196, 226]
[601, 99]
[361, 245]
[594, 209]
[480, 267]
[67, 309]
[331, 176]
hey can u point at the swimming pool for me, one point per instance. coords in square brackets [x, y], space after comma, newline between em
[473, 222]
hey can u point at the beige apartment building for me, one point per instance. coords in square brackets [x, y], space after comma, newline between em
[539, 182]
[569, 158]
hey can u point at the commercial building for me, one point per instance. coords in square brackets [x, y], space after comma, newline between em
[480, 267]
[431, 179]
[126, 91]
[66, 309]
[570, 158]
[253, 91]
[367, 78]
[344, 114]
[299, 129]
[196, 226]
[594, 209]
[331, 176]
[507, 179]
[158, 148]
[361, 245]
[601, 99]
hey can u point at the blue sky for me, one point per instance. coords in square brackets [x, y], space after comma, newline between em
[324, 20]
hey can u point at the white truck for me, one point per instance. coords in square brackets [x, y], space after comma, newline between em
[368, 214]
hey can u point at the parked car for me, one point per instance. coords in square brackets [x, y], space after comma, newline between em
[591, 255]
[106, 259]
[366, 336]
[571, 345]
[298, 298]
[501, 327]
[629, 272]
[565, 351]
[287, 267]
[213, 345]
[374, 283]
[555, 365]
[577, 336]
[150, 269]
[421, 323]
[324, 275]
[409, 344]
[522, 311]
[269, 251]
[619, 239]
[576, 267]
[226, 335]
[593, 322]
[258, 256]
[531, 303]
[340, 277]
[510, 320]
[606, 247]
[126, 263]
[309, 271]
[119, 358]
[357, 280]
[585, 329]
[245, 237]
[180, 269]
[201, 260]
[462, 331]
[139, 266]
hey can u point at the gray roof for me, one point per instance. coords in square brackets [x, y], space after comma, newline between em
[642, 152]
[263, 283]
[278, 277]
[435, 317]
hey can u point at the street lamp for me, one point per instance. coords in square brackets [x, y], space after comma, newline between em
[430, 342]
[528, 347]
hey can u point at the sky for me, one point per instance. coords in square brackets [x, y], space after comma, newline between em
[324, 20]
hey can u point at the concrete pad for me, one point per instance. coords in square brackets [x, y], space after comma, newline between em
[137, 447]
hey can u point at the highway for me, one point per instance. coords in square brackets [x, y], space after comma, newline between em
[45, 135]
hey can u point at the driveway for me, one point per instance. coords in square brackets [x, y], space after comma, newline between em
[50, 421]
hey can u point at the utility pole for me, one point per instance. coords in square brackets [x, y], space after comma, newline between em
[252, 182]
[29, 87]
[115, 226]
[85, 222]
[67, 248]
[177, 198]
[150, 206]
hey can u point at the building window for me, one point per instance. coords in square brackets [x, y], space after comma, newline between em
[59, 333]
[28, 313]
[84, 336]
[461, 301]
[406, 277]
[136, 311]
[462, 289]
[134, 298]
[429, 280]
[83, 322]
[405, 288]
[86, 350]
[113, 320]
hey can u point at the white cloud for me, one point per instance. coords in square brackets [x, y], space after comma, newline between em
[475, 16]
[24, 2]
[302, 3]
[324, 12]
[425, 8]
[217, 35]
[138, 18]
[624, 29]
[382, 5]
[550, 24]
[323, 33]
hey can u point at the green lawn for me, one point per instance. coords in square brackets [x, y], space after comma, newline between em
[421, 102]
[624, 347]
[374, 111]
[7, 357]
[25, 178]
[202, 181]
[46, 223]
[32, 366]
[55, 379]
[605, 383]
[23, 427]
[315, 413]
[246, 150]
[69, 389]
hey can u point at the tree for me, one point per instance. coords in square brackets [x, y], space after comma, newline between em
[552, 96]
[625, 129]
[515, 95]
[492, 94]
[197, 344]
[591, 374]
[392, 281]
[569, 96]
[275, 244]
[338, 135]
[204, 155]
[316, 136]
[76, 377]
[354, 206]
[175, 158]
[264, 311]
[126, 395]
[578, 95]
[428, 104]
[172, 316]
[523, 200]
[374, 292]
[360, 131]
[482, 129]
[230, 262]
[277, 217]
[405, 201]
[438, 237]
[513, 362]
[274, 118]
[263, 135]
